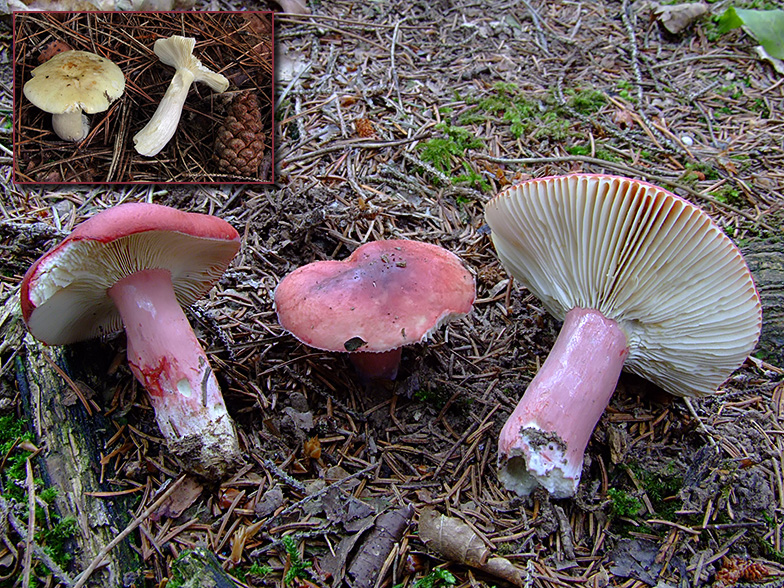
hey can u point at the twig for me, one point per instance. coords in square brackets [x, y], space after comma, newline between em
[353, 143]
[700, 424]
[28, 556]
[392, 68]
[541, 40]
[634, 57]
[85, 575]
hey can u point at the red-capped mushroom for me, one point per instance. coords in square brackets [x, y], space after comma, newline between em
[385, 295]
[134, 265]
[643, 279]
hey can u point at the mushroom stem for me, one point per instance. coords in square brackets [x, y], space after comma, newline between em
[70, 126]
[544, 439]
[176, 51]
[371, 365]
[166, 358]
[163, 124]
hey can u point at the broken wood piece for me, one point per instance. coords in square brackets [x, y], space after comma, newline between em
[456, 541]
[376, 546]
[199, 568]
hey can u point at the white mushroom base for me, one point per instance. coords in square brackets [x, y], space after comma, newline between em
[544, 439]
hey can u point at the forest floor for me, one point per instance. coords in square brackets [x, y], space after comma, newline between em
[400, 120]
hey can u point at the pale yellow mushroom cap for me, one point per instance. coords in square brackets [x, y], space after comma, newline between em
[75, 81]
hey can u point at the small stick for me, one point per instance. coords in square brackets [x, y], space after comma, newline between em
[28, 556]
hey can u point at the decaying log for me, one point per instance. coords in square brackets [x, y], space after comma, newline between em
[766, 262]
[199, 568]
[71, 440]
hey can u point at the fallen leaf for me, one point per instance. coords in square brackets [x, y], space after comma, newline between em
[623, 118]
[676, 17]
[456, 541]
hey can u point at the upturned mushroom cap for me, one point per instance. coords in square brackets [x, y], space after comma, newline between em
[386, 294]
[64, 294]
[75, 81]
[643, 257]
[177, 51]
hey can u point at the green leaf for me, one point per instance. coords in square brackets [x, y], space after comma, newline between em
[729, 20]
[766, 26]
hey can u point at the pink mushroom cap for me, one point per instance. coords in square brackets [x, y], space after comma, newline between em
[63, 294]
[385, 295]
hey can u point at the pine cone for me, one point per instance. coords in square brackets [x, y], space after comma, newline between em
[239, 145]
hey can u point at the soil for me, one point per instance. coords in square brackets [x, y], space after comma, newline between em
[400, 120]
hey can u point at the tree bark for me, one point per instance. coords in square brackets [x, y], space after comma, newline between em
[71, 440]
[766, 262]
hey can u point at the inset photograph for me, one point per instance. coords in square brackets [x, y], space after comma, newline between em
[143, 97]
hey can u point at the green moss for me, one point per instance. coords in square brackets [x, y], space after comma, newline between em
[585, 101]
[296, 565]
[623, 504]
[13, 431]
[54, 540]
[729, 195]
[702, 168]
[259, 570]
[599, 152]
[660, 488]
[437, 579]
[442, 152]
[446, 153]
[435, 396]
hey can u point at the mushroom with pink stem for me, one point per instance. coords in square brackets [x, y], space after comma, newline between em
[133, 266]
[385, 295]
[643, 280]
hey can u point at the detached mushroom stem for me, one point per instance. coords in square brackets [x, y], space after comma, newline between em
[544, 439]
[176, 51]
[168, 360]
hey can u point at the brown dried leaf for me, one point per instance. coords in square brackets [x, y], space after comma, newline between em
[623, 118]
[676, 17]
[52, 49]
[454, 540]
[736, 569]
[365, 128]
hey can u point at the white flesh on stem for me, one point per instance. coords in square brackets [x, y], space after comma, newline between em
[178, 52]
[544, 439]
[71, 126]
[168, 360]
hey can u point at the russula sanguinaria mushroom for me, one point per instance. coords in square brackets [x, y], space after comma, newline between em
[643, 280]
[385, 295]
[176, 51]
[133, 266]
[71, 83]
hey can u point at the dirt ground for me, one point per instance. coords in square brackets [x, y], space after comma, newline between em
[400, 120]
